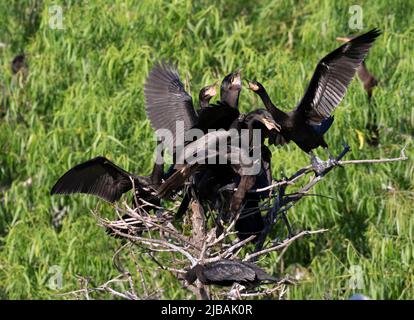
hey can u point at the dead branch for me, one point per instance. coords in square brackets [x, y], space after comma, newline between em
[282, 245]
[158, 235]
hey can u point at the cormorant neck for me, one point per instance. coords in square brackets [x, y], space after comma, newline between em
[275, 112]
[204, 102]
[230, 97]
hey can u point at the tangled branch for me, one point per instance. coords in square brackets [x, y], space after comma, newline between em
[155, 235]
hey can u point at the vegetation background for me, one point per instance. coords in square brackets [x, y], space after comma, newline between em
[83, 97]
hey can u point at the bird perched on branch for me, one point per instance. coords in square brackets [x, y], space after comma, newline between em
[167, 103]
[207, 147]
[227, 272]
[164, 91]
[309, 121]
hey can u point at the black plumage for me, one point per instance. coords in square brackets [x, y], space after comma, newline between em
[227, 272]
[209, 179]
[167, 103]
[206, 94]
[251, 221]
[102, 178]
[209, 144]
[306, 124]
[368, 80]
[165, 94]
[230, 89]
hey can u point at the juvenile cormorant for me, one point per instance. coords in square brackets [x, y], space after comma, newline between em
[307, 123]
[209, 143]
[165, 92]
[227, 272]
[230, 89]
[206, 94]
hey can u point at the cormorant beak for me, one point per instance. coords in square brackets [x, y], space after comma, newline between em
[343, 39]
[270, 124]
[267, 121]
[252, 86]
[212, 91]
[236, 79]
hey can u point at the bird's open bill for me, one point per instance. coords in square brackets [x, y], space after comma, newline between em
[270, 124]
[252, 86]
[236, 79]
[212, 90]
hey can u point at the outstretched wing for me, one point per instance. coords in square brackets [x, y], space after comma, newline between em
[99, 177]
[228, 270]
[332, 77]
[167, 103]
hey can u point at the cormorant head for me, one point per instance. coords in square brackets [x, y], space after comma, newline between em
[230, 88]
[263, 117]
[208, 92]
[255, 86]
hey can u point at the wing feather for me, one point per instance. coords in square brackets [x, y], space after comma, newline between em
[99, 177]
[229, 270]
[332, 76]
[167, 102]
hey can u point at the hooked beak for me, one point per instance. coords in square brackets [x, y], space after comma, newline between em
[271, 124]
[252, 86]
[212, 91]
[236, 80]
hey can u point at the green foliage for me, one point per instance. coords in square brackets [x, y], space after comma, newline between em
[83, 97]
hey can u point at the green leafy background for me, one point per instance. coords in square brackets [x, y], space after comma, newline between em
[83, 97]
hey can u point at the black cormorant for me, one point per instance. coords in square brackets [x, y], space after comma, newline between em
[307, 123]
[227, 272]
[230, 89]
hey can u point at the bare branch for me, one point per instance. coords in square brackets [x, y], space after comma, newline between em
[283, 244]
[158, 235]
